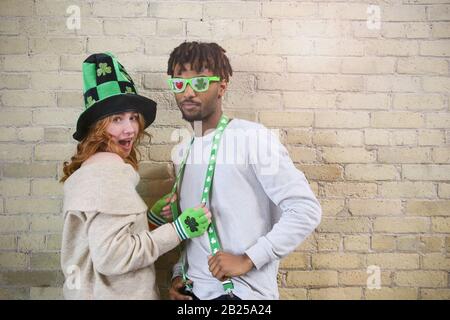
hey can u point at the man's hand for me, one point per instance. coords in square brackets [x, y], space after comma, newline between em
[177, 286]
[225, 265]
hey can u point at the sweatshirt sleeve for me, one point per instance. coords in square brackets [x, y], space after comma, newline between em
[116, 250]
[287, 188]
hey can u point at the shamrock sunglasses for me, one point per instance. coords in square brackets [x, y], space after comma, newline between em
[198, 84]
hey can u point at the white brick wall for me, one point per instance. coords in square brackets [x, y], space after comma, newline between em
[363, 111]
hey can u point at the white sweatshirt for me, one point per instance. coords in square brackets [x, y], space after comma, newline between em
[261, 203]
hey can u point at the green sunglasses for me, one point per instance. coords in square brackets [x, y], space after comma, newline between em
[198, 84]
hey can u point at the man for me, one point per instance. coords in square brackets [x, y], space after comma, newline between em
[262, 206]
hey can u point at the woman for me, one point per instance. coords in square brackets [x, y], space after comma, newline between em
[107, 249]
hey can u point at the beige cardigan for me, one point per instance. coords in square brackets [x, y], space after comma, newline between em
[107, 249]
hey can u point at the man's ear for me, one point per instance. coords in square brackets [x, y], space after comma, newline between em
[223, 85]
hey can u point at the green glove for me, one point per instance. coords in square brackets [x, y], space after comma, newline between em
[191, 223]
[154, 214]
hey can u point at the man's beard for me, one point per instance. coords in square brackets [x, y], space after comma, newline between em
[202, 114]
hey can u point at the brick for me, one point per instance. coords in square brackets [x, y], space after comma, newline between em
[444, 190]
[439, 224]
[139, 27]
[54, 117]
[421, 279]
[220, 29]
[435, 294]
[311, 278]
[59, 8]
[401, 224]
[370, 172]
[291, 294]
[9, 26]
[19, 170]
[53, 241]
[430, 138]
[13, 224]
[175, 10]
[362, 101]
[46, 187]
[422, 66]
[404, 155]
[359, 277]
[347, 155]
[435, 261]
[438, 120]
[30, 134]
[441, 155]
[284, 46]
[336, 261]
[45, 261]
[417, 30]
[397, 120]
[365, 65]
[56, 81]
[242, 82]
[169, 28]
[327, 47]
[383, 243]
[419, 102]
[437, 48]
[376, 137]
[295, 260]
[8, 242]
[394, 261]
[393, 84]
[301, 154]
[426, 172]
[32, 205]
[328, 242]
[343, 11]
[256, 27]
[31, 242]
[54, 151]
[15, 152]
[287, 10]
[436, 84]
[286, 119]
[340, 138]
[346, 225]
[114, 44]
[440, 30]
[46, 293]
[322, 172]
[432, 243]
[32, 278]
[57, 45]
[336, 294]
[13, 260]
[339, 83]
[332, 207]
[341, 119]
[359, 243]
[291, 81]
[307, 100]
[253, 100]
[46, 223]
[313, 64]
[7, 134]
[14, 187]
[392, 294]
[255, 63]
[406, 189]
[428, 208]
[349, 189]
[28, 98]
[226, 10]
[374, 207]
[404, 13]
[16, 8]
[14, 81]
[121, 9]
[31, 63]
[385, 47]
[409, 244]
[13, 45]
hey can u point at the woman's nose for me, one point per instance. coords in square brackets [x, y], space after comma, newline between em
[128, 127]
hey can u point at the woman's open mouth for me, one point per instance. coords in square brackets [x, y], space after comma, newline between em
[126, 143]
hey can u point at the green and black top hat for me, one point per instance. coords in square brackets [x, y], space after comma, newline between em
[108, 89]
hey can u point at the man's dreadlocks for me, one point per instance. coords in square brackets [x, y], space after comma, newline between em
[201, 55]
